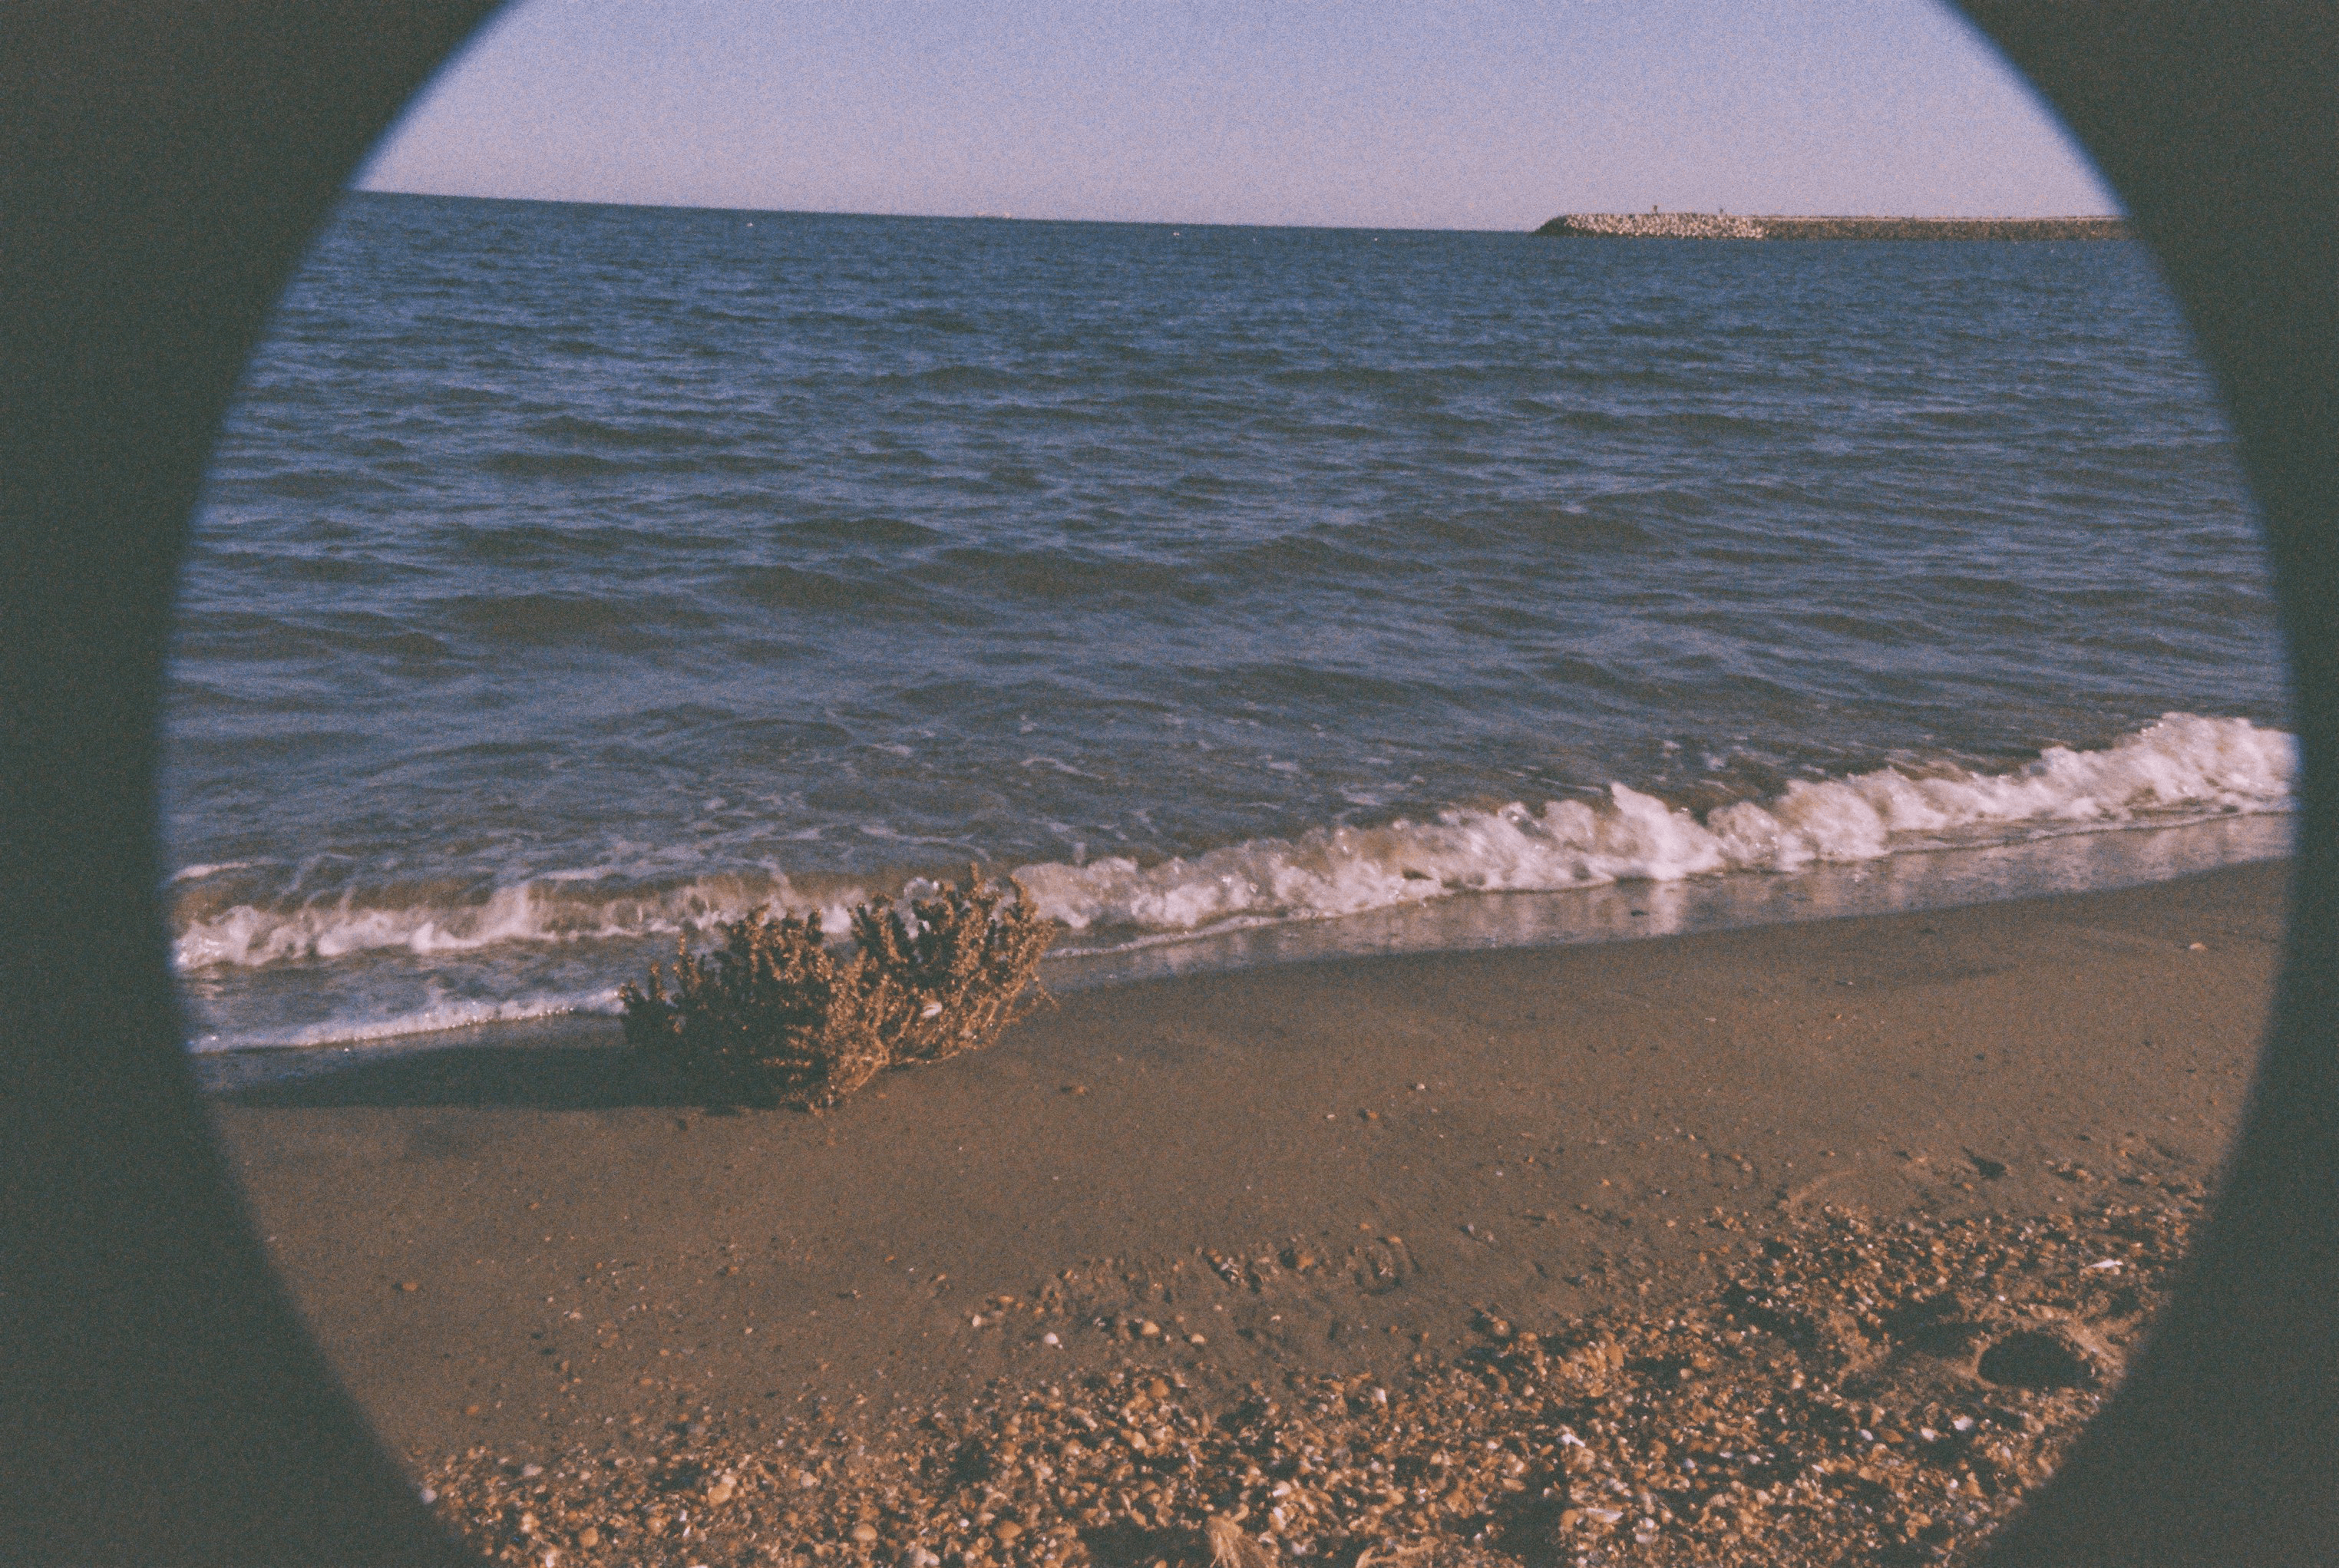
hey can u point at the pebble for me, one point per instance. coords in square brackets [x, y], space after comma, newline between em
[1717, 1430]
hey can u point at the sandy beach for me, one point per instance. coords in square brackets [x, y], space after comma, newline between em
[520, 1249]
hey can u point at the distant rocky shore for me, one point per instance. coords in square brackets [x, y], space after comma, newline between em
[1738, 226]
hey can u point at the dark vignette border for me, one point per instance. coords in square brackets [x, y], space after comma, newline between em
[162, 167]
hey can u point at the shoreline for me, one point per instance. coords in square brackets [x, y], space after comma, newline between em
[1909, 882]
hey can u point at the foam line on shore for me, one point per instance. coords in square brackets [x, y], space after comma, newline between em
[439, 1017]
[2183, 768]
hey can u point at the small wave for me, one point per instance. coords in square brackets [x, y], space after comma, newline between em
[786, 587]
[611, 620]
[439, 1015]
[2183, 768]
[638, 435]
[198, 872]
[557, 908]
[532, 465]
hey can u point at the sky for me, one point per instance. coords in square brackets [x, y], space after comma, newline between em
[1375, 114]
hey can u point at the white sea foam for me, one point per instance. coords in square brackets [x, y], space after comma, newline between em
[545, 910]
[440, 1013]
[2183, 768]
[197, 873]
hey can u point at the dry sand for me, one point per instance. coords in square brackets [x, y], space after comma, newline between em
[1320, 1170]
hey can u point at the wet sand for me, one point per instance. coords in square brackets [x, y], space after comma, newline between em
[1326, 1167]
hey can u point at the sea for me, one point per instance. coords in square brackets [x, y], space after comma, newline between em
[570, 578]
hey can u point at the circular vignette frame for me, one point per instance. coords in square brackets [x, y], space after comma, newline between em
[161, 168]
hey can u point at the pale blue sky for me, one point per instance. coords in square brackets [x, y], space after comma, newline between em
[1438, 113]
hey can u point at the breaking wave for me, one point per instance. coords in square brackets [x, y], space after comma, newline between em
[2182, 769]
[441, 1012]
[560, 907]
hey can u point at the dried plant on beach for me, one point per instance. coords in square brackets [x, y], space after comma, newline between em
[777, 1012]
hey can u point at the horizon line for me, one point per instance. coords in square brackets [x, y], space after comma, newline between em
[358, 189]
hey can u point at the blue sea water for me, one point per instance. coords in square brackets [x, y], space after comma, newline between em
[572, 575]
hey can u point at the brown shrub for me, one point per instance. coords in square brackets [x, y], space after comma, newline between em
[778, 1014]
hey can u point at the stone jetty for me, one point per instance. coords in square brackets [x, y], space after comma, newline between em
[1746, 226]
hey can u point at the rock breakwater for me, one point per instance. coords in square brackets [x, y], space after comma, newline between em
[1740, 226]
